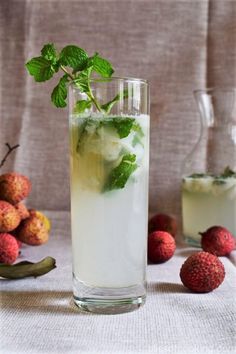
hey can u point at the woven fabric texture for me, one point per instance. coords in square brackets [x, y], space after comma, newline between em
[38, 315]
[177, 45]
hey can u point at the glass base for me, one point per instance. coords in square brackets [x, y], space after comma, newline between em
[108, 300]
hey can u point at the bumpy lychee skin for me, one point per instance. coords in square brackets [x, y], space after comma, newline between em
[22, 210]
[18, 242]
[218, 241]
[202, 272]
[32, 231]
[161, 246]
[163, 222]
[9, 249]
[14, 187]
[9, 217]
[42, 217]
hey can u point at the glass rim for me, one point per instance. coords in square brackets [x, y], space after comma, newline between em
[115, 78]
[208, 90]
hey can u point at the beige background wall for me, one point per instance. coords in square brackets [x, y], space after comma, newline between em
[177, 45]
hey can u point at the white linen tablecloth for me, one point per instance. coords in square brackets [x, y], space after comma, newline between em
[38, 315]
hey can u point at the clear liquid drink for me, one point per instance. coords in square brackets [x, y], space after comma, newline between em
[209, 171]
[207, 201]
[109, 208]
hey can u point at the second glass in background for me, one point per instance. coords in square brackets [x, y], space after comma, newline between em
[209, 173]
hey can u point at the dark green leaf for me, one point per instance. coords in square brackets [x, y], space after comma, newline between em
[74, 57]
[123, 126]
[198, 175]
[27, 269]
[108, 106]
[228, 173]
[219, 182]
[139, 134]
[59, 94]
[102, 66]
[81, 106]
[83, 80]
[120, 174]
[41, 68]
[49, 52]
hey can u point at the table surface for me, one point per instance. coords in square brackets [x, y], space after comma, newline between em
[38, 315]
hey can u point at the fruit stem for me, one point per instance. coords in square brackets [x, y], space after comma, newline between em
[10, 149]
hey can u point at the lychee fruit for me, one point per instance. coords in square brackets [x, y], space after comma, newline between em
[9, 248]
[32, 231]
[18, 242]
[218, 241]
[22, 210]
[161, 246]
[202, 272]
[42, 217]
[14, 187]
[163, 222]
[9, 217]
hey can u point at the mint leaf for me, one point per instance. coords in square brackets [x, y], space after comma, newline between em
[81, 106]
[83, 80]
[139, 134]
[123, 126]
[219, 182]
[41, 68]
[49, 52]
[102, 66]
[228, 173]
[120, 174]
[108, 106]
[74, 57]
[59, 94]
[198, 175]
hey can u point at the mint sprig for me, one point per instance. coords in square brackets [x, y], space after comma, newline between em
[73, 57]
[49, 52]
[59, 93]
[108, 106]
[120, 174]
[81, 105]
[44, 67]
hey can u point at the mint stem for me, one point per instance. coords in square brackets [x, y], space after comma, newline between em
[67, 72]
[89, 94]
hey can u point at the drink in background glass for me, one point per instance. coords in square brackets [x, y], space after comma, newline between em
[109, 196]
[209, 178]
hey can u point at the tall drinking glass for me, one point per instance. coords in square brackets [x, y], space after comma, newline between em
[109, 150]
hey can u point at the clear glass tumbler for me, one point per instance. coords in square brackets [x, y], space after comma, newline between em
[109, 149]
[209, 172]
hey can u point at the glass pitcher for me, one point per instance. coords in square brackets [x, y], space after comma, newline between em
[209, 171]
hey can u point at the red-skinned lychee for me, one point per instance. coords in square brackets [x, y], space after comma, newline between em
[9, 248]
[32, 231]
[218, 241]
[9, 217]
[161, 246]
[202, 272]
[163, 222]
[22, 210]
[14, 187]
[42, 217]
